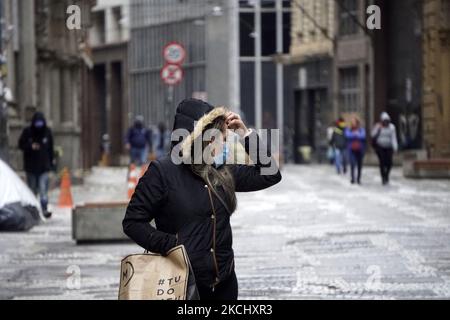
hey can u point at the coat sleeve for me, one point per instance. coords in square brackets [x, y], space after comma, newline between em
[24, 143]
[348, 134]
[362, 134]
[51, 149]
[150, 195]
[250, 178]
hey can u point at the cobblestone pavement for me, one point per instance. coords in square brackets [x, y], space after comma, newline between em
[313, 236]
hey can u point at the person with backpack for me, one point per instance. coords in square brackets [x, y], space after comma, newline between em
[138, 142]
[339, 143]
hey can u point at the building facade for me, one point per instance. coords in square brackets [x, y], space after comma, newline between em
[340, 67]
[398, 69]
[436, 78]
[105, 110]
[231, 59]
[353, 76]
[44, 70]
[206, 31]
[311, 62]
[264, 41]
[380, 70]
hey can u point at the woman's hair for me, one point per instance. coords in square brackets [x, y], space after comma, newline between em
[216, 178]
[356, 122]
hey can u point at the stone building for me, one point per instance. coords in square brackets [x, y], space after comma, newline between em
[398, 69]
[231, 48]
[311, 62]
[105, 109]
[381, 69]
[44, 69]
[353, 75]
[436, 78]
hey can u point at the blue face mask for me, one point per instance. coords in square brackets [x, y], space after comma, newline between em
[221, 158]
[39, 124]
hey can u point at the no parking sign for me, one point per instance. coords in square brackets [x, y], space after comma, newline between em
[174, 55]
[172, 74]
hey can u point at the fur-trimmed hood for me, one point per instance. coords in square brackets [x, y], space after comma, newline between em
[199, 127]
[194, 116]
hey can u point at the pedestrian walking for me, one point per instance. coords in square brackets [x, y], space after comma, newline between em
[36, 143]
[160, 141]
[356, 147]
[192, 203]
[138, 141]
[384, 140]
[339, 144]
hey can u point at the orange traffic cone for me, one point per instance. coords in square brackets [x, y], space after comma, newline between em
[65, 195]
[132, 180]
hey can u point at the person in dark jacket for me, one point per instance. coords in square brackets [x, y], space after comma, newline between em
[339, 143]
[36, 142]
[356, 145]
[138, 142]
[192, 203]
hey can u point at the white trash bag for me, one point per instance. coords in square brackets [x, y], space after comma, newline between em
[20, 210]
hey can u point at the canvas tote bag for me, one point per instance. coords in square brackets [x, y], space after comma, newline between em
[150, 276]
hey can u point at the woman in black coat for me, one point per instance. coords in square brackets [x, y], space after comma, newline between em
[192, 202]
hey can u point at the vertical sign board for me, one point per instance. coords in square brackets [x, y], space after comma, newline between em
[172, 73]
[174, 55]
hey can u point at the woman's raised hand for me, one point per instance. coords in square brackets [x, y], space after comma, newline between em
[235, 123]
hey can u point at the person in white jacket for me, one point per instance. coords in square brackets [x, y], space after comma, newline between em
[384, 136]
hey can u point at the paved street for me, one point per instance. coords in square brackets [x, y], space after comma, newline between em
[312, 236]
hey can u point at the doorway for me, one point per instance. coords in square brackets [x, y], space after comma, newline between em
[310, 127]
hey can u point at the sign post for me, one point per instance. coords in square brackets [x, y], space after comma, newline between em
[172, 73]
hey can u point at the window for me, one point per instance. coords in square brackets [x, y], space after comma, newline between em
[348, 15]
[445, 14]
[246, 3]
[115, 32]
[286, 32]
[264, 3]
[247, 29]
[268, 30]
[349, 90]
[269, 33]
[98, 31]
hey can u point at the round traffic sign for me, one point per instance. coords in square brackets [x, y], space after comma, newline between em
[174, 53]
[172, 74]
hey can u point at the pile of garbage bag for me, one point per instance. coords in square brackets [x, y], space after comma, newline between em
[20, 210]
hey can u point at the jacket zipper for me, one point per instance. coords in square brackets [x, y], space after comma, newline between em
[214, 217]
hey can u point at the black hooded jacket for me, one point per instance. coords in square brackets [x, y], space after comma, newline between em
[39, 160]
[179, 202]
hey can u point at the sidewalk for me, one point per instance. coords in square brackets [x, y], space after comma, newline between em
[312, 236]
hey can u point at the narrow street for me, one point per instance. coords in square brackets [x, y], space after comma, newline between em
[312, 236]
